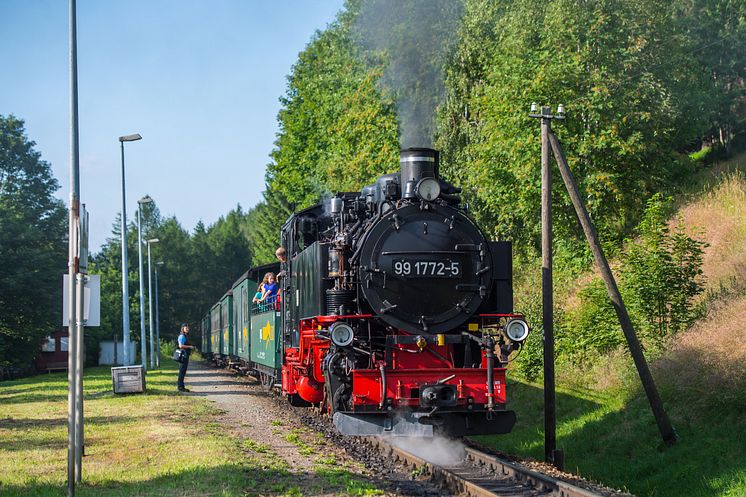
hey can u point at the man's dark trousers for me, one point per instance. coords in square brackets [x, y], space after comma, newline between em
[182, 372]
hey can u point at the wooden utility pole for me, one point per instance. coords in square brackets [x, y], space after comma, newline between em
[551, 454]
[664, 424]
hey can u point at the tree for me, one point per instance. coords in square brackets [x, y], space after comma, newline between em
[622, 72]
[33, 247]
[336, 130]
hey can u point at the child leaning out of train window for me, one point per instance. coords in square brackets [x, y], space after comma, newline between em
[270, 288]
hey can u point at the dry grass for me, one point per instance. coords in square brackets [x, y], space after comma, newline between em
[719, 217]
[710, 357]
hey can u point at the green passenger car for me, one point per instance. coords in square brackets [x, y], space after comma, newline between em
[243, 291]
[227, 346]
[216, 335]
[266, 345]
[264, 332]
[205, 347]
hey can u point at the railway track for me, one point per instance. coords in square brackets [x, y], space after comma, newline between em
[478, 475]
[485, 475]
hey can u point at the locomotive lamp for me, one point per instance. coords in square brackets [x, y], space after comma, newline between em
[341, 334]
[428, 189]
[517, 330]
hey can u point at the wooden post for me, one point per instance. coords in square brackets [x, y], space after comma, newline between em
[664, 424]
[550, 408]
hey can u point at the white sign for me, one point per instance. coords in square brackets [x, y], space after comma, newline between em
[91, 300]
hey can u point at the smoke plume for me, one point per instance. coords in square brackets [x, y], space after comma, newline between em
[414, 37]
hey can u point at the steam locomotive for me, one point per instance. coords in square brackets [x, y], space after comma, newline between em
[395, 312]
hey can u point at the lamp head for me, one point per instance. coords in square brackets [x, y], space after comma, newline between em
[145, 200]
[153, 240]
[130, 138]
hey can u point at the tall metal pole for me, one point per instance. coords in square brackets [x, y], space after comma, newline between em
[127, 360]
[664, 424]
[143, 352]
[550, 410]
[150, 310]
[72, 265]
[79, 347]
[125, 267]
[157, 326]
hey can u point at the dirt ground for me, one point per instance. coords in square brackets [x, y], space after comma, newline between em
[270, 426]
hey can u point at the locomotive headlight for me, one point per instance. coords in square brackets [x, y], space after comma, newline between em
[341, 334]
[517, 330]
[428, 189]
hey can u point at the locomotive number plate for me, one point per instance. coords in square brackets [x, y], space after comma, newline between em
[426, 269]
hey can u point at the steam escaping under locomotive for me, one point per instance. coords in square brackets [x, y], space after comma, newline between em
[396, 312]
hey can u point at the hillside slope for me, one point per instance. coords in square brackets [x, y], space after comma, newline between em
[707, 363]
[605, 425]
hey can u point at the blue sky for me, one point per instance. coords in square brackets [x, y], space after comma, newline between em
[199, 80]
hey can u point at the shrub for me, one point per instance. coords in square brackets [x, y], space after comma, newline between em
[660, 275]
[663, 271]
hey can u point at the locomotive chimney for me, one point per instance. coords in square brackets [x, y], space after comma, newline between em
[417, 163]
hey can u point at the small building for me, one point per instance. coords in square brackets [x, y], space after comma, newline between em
[53, 353]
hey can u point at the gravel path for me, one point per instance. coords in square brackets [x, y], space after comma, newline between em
[269, 427]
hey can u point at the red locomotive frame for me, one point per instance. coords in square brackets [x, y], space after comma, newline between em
[397, 385]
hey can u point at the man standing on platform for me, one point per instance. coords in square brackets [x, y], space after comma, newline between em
[187, 348]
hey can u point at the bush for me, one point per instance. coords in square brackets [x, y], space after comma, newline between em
[167, 347]
[660, 275]
[663, 272]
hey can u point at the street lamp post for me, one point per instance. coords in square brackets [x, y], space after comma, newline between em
[143, 352]
[157, 325]
[150, 305]
[127, 360]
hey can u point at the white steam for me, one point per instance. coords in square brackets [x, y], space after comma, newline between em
[414, 36]
[437, 450]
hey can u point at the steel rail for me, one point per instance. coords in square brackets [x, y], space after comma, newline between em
[485, 475]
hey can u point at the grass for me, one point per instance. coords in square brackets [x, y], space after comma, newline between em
[158, 443]
[294, 437]
[611, 437]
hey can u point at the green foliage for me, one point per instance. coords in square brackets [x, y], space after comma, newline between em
[530, 361]
[660, 275]
[336, 131]
[33, 247]
[263, 225]
[197, 269]
[593, 327]
[663, 271]
[622, 71]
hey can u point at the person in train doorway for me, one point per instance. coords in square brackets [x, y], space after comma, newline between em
[282, 256]
[184, 345]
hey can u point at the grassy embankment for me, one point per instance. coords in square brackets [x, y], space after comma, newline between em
[158, 443]
[604, 421]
